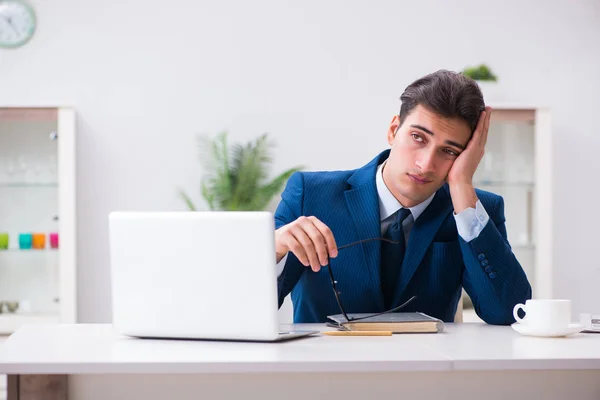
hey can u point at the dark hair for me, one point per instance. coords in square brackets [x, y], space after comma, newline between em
[446, 93]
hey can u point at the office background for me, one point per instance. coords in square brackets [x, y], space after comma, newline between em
[322, 77]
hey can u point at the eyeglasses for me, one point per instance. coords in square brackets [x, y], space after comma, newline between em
[337, 293]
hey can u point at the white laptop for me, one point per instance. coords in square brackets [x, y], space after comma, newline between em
[195, 275]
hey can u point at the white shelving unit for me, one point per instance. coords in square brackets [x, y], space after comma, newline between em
[518, 166]
[37, 195]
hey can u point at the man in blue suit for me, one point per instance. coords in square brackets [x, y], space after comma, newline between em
[448, 235]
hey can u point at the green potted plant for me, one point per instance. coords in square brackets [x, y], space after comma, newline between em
[236, 178]
[486, 79]
[480, 73]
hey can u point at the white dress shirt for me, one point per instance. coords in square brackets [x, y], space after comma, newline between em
[469, 223]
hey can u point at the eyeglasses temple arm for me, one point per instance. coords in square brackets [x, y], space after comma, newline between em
[386, 312]
[367, 240]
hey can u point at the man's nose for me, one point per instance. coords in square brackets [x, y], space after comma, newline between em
[426, 161]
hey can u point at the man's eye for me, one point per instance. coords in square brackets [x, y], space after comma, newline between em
[416, 137]
[451, 152]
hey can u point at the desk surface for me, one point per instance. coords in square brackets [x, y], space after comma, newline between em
[97, 349]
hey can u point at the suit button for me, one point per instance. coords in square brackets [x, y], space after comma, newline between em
[492, 275]
[488, 269]
[481, 257]
[484, 263]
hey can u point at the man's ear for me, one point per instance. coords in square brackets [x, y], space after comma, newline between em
[393, 128]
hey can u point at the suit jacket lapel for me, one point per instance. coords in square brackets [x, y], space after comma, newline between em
[421, 236]
[363, 206]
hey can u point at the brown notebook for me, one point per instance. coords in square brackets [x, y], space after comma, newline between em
[400, 322]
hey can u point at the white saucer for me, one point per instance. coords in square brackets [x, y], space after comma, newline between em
[557, 332]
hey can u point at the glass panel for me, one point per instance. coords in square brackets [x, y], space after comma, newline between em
[28, 211]
[509, 154]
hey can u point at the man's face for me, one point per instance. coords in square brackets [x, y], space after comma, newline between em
[423, 150]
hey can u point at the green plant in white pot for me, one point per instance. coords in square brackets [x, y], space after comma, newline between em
[236, 178]
[480, 73]
[487, 81]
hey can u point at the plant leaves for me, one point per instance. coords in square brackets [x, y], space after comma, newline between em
[265, 193]
[216, 186]
[188, 201]
[235, 177]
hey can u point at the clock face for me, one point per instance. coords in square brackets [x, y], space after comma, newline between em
[17, 23]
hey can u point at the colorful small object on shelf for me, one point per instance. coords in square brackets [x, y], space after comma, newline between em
[3, 240]
[54, 240]
[38, 241]
[12, 306]
[25, 240]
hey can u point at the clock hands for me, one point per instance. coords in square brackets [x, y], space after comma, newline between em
[10, 23]
[14, 28]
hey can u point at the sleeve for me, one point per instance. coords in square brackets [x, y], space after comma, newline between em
[470, 222]
[281, 265]
[493, 277]
[288, 210]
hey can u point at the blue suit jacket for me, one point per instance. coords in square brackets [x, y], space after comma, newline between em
[437, 263]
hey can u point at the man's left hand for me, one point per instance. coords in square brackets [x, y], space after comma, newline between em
[466, 163]
[460, 177]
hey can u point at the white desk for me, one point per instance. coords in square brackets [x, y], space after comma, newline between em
[466, 361]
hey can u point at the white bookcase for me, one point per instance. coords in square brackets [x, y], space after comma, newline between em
[518, 166]
[37, 205]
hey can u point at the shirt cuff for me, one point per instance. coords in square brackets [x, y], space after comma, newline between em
[281, 265]
[470, 222]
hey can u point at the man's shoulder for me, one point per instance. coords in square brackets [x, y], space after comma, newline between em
[339, 178]
[319, 178]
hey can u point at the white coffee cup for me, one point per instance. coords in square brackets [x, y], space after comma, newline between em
[544, 314]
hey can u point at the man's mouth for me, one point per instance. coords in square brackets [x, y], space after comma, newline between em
[421, 180]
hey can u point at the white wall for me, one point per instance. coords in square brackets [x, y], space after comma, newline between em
[145, 77]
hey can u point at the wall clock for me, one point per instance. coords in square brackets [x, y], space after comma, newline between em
[17, 23]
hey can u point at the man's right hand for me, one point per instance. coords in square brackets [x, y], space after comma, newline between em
[309, 239]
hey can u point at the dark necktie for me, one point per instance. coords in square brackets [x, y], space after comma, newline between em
[392, 255]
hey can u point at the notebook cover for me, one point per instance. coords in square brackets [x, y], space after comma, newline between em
[399, 317]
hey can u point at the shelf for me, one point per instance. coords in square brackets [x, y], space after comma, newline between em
[38, 182]
[28, 184]
[9, 323]
[28, 114]
[481, 184]
[522, 246]
[36, 251]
